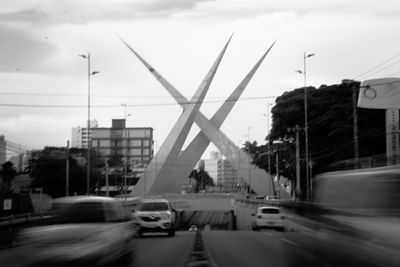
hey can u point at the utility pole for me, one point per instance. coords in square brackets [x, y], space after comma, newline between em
[297, 130]
[355, 127]
[298, 188]
[269, 157]
[106, 172]
[277, 168]
[67, 170]
[354, 86]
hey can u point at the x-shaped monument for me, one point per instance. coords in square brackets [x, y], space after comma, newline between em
[155, 182]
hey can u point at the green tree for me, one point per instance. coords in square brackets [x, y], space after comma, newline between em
[202, 178]
[7, 174]
[48, 169]
[330, 125]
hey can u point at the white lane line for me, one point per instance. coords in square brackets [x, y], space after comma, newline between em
[290, 242]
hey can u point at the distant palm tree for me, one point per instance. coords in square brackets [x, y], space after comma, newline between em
[7, 174]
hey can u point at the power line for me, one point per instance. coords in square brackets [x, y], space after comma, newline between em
[10, 93]
[130, 105]
[376, 67]
[391, 65]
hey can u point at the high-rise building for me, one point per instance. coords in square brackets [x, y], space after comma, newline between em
[132, 145]
[79, 135]
[223, 173]
[228, 176]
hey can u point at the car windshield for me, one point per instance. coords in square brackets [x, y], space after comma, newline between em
[153, 206]
[269, 211]
[82, 213]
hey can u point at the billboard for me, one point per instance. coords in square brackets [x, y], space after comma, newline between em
[380, 94]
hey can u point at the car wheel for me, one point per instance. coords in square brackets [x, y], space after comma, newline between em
[171, 232]
[140, 232]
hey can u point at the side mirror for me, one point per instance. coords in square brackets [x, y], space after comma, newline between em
[253, 214]
[173, 210]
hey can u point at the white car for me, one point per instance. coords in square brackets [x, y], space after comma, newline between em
[85, 230]
[268, 217]
[153, 216]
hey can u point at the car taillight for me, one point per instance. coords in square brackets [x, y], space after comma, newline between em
[283, 217]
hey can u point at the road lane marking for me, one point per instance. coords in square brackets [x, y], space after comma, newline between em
[290, 242]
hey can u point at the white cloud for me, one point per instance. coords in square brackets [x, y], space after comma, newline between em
[181, 39]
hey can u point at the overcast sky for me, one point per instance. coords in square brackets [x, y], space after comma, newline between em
[41, 41]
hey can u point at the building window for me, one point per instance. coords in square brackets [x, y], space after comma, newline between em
[135, 152]
[104, 143]
[135, 143]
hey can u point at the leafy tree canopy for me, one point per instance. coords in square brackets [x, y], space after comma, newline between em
[202, 178]
[330, 130]
[48, 169]
[7, 174]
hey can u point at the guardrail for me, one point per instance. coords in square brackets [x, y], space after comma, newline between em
[11, 225]
[24, 217]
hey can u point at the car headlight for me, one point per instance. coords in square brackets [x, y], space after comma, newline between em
[166, 216]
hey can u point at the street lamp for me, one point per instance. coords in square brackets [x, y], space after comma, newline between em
[88, 123]
[304, 72]
[268, 132]
[249, 146]
[127, 149]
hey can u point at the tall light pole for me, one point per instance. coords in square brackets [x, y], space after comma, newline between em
[304, 72]
[88, 123]
[67, 170]
[127, 150]
[248, 141]
[268, 132]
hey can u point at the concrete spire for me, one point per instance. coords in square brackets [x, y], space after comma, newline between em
[259, 180]
[154, 180]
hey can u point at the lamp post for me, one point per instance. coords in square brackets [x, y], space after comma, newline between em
[304, 72]
[67, 170]
[248, 165]
[238, 170]
[127, 150]
[268, 132]
[88, 123]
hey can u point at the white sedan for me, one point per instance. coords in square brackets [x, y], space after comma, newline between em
[268, 217]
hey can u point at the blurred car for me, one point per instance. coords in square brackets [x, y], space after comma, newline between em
[155, 215]
[207, 228]
[272, 198]
[85, 230]
[358, 211]
[193, 228]
[268, 217]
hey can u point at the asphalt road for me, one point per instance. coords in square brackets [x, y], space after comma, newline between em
[161, 250]
[240, 248]
[264, 248]
[292, 249]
